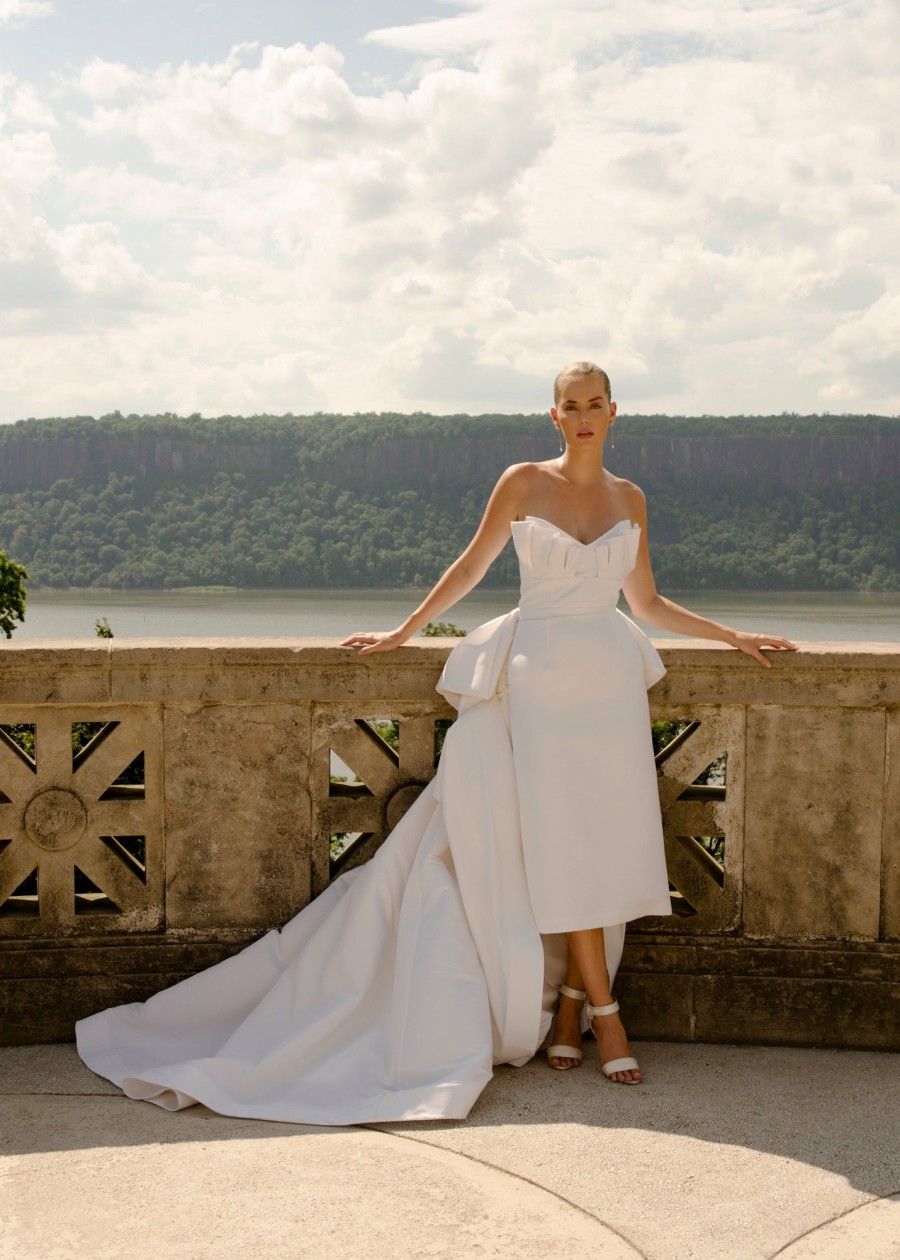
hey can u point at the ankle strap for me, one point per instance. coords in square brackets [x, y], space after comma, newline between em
[579, 994]
[610, 1009]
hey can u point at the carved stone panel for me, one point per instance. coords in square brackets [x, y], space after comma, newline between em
[80, 821]
[703, 824]
[352, 817]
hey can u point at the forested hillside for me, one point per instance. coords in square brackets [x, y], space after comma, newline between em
[777, 502]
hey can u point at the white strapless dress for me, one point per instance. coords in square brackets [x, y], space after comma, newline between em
[392, 994]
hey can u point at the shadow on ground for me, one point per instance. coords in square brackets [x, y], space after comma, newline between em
[720, 1145]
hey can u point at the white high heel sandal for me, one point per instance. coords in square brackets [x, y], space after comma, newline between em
[566, 1052]
[614, 1065]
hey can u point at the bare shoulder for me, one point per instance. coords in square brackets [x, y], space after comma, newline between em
[515, 484]
[521, 475]
[634, 497]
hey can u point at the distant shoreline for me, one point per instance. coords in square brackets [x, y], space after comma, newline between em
[336, 592]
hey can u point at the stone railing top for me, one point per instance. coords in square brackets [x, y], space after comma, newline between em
[98, 671]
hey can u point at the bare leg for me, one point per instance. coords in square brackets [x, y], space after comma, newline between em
[567, 1031]
[587, 961]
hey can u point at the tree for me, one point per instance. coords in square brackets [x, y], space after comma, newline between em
[12, 594]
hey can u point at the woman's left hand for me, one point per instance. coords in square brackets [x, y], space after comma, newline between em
[751, 644]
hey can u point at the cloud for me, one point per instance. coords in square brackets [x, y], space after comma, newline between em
[28, 163]
[198, 117]
[23, 12]
[700, 194]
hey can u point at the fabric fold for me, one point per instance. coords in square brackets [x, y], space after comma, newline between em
[392, 994]
[472, 670]
[654, 669]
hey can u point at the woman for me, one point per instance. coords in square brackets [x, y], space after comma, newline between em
[553, 734]
[393, 994]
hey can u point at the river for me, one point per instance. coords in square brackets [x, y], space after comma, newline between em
[814, 616]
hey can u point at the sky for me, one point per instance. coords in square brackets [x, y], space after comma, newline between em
[433, 205]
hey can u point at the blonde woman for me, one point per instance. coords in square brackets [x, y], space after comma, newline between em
[497, 905]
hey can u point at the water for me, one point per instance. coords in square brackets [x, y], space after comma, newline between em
[814, 616]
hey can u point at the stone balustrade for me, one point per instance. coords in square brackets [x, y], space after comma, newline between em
[164, 802]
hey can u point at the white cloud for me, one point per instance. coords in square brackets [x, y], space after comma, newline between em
[22, 12]
[700, 193]
[28, 162]
[105, 80]
[198, 117]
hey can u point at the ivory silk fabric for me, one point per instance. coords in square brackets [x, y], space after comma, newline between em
[580, 720]
[392, 994]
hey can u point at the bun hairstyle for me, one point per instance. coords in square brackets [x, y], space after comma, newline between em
[581, 368]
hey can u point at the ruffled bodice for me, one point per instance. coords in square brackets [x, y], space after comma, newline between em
[562, 575]
[559, 576]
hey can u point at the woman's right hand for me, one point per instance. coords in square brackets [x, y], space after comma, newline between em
[376, 641]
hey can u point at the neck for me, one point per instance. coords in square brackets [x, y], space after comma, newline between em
[582, 468]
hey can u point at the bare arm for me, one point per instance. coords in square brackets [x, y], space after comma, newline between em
[465, 572]
[646, 603]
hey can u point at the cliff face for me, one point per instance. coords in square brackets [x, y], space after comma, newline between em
[802, 462]
[33, 460]
[35, 463]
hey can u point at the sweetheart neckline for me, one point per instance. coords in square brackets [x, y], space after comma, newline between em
[577, 541]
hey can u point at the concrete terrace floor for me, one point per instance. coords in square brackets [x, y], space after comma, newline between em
[725, 1153]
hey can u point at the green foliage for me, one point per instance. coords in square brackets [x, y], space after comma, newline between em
[664, 731]
[389, 730]
[389, 501]
[23, 734]
[12, 594]
[103, 628]
[755, 535]
[443, 630]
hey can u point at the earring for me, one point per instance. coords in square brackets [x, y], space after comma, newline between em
[612, 437]
[559, 435]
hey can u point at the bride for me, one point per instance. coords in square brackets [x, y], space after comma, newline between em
[499, 901]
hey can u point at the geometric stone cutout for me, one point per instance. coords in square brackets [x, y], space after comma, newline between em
[19, 739]
[86, 810]
[22, 902]
[698, 848]
[387, 734]
[87, 738]
[710, 785]
[130, 851]
[129, 784]
[341, 846]
[341, 784]
[700, 781]
[699, 851]
[366, 772]
[680, 904]
[89, 898]
[374, 741]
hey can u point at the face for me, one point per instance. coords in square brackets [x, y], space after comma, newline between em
[584, 413]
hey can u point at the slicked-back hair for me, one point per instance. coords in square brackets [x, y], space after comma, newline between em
[581, 368]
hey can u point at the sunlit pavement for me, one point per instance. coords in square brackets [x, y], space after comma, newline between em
[724, 1153]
